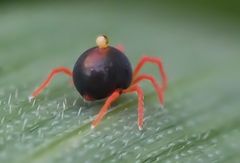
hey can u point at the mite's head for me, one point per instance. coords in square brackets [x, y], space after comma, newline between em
[102, 41]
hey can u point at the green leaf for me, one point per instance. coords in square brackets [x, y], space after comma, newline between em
[199, 47]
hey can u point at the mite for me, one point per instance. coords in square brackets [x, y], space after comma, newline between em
[104, 72]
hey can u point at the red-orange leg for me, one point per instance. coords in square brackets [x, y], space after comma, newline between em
[154, 60]
[159, 91]
[136, 88]
[105, 108]
[46, 82]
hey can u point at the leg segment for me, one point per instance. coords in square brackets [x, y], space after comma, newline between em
[105, 108]
[45, 83]
[156, 61]
[136, 88]
[158, 89]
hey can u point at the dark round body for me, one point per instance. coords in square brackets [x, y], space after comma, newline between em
[98, 72]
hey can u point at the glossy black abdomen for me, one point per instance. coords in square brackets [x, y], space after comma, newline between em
[98, 72]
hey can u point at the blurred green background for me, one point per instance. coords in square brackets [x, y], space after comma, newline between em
[198, 42]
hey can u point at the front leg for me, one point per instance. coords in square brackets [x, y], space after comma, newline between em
[105, 108]
[46, 82]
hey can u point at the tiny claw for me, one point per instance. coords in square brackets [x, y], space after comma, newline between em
[92, 126]
[140, 128]
[30, 98]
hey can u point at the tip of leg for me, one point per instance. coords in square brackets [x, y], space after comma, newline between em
[92, 126]
[30, 98]
[162, 106]
[140, 128]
